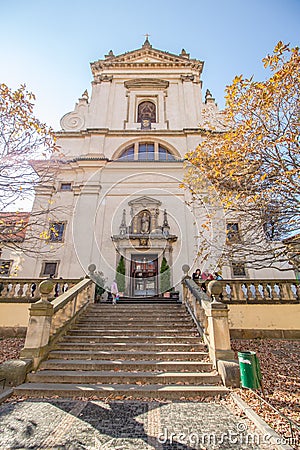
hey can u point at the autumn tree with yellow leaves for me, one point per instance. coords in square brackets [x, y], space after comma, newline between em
[26, 145]
[251, 164]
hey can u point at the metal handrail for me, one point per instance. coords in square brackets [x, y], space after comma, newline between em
[291, 422]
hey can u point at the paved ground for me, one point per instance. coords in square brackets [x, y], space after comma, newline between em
[139, 425]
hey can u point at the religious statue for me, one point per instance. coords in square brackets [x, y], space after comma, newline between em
[145, 223]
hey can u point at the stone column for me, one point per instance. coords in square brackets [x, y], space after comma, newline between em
[153, 213]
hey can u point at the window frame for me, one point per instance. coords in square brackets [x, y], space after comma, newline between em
[138, 111]
[157, 148]
[55, 241]
[65, 183]
[54, 261]
[2, 261]
[236, 235]
[238, 263]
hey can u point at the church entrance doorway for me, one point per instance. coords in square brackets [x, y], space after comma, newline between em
[144, 271]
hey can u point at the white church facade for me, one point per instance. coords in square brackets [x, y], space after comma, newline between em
[118, 190]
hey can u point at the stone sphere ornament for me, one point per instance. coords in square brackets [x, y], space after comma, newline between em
[185, 268]
[92, 268]
[215, 289]
[46, 287]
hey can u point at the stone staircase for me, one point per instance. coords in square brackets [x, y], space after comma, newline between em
[133, 350]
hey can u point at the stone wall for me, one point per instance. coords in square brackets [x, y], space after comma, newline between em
[269, 321]
[13, 319]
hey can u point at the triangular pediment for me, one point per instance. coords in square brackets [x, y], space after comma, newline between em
[146, 57]
[144, 202]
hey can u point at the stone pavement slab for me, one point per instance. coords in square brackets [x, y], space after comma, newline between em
[123, 424]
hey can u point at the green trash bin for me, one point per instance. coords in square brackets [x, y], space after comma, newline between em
[250, 370]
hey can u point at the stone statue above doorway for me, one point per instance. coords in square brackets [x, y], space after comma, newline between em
[145, 222]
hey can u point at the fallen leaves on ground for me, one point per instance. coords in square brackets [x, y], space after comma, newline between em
[279, 362]
[10, 348]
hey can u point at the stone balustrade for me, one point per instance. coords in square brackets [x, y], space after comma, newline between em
[49, 320]
[24, 290]
[211, 318]
[260, 291]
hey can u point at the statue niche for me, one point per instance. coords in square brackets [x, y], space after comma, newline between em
[144, 219]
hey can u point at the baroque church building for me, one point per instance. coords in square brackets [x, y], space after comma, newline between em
[118, 188]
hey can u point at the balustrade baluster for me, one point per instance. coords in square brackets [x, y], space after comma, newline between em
[251, 291]
[260, 295]
[290, 293]
[286, 293]
[244, 291]
[10, 290]
[17, 290]
[276, 294]
[267, 291]
[227, 291]
[236, 293]
[3, 289]
[297, 284]
[24, 290]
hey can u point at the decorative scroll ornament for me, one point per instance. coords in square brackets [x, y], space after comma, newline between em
[72, 122]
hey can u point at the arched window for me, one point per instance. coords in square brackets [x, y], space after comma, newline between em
[128, 154]
[146, 151]
[164, 154]
[146, 111]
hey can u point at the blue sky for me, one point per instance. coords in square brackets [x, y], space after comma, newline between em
[48, 44]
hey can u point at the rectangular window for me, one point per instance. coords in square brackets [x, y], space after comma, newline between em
[238, 269]
[233, 232]
[49, 268]
[5, 266]
[65, 186]
[57, 231]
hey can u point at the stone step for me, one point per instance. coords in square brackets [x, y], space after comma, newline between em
[133, 326]
[122, 377]
[120, 313]
[133, 322]
[130, 346]
[136, 307]
[131, 339]
[135, 318]
[139, 312]
[159, 391]
[125, 355]
[134, 332]
[146, 365]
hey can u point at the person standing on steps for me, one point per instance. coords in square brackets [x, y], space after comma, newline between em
[217, 276]
[114, 292]
[197, 275]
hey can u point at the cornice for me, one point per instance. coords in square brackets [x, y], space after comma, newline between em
[142, 83]
[136, 133]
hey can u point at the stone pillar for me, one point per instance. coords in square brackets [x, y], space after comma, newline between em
[135, 224]
[219, 337]
[38, 331]
[185, 269]
[153, 221]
